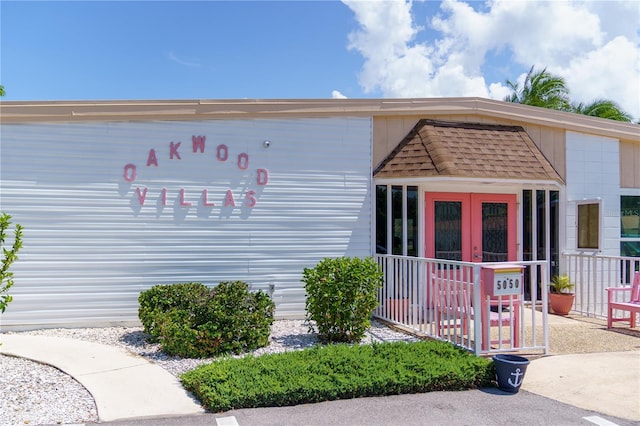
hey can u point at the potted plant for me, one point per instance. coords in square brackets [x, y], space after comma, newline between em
[561, 295]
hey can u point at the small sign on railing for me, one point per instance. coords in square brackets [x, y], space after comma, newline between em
[503, 280]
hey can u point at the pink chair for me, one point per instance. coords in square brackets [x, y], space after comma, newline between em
[454, 310]
[632, 306]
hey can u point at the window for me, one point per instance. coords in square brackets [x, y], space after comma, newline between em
[630, 225]
[412, 221]
[396, 220]
[381, 219]
[534, 237]
[399, 235]
[588, 213]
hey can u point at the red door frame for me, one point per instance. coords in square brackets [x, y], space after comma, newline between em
[472, 244]
[472, 222]
[430, 198]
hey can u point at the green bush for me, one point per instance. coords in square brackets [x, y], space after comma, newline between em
[341, 295]
[157, 301]
[226, 319]
[9, 255]
[332, 372]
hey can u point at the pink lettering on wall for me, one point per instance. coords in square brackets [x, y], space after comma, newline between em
[205, 201]
[250, 198]
[142, 195]
[198, 143]
[183, 203]
[228, 199]
[262, 177]
[173, 150]
[130, 172]
[163, 196]
[152, 158]
[243, 161]
[222, 152]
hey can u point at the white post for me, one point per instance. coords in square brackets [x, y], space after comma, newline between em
[477, 302]
[545, 312]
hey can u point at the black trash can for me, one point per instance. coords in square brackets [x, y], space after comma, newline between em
[510, 371]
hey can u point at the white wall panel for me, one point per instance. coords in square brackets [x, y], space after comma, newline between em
[90, 247]
[593, 171]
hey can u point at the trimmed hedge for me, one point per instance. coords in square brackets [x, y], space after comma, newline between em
[193, 321]
[335, 372]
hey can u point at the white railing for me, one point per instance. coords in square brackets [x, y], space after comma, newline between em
[438, 299]
[592, 274]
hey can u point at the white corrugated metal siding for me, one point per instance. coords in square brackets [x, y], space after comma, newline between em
[90, 247]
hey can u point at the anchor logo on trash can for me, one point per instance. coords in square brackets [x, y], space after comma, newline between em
[518, 375]
[510, 370]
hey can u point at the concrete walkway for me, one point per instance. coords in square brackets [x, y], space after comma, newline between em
[590, 367]
[122, 384]
[608, 383]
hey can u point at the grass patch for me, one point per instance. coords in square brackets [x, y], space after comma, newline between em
[342, 371]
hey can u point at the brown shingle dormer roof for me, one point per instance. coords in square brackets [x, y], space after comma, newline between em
[441, 148]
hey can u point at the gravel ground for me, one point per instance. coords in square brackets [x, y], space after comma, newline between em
[588, 335]
[36, 394]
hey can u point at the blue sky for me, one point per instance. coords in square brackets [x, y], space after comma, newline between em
[315, 49]
[144, 50]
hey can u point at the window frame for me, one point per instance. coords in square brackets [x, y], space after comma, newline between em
[627, 239]
[586, 202]
[400, 230]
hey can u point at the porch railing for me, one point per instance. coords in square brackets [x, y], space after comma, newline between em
[592, 274]
[444, 300]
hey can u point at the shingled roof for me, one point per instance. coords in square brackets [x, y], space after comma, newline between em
[441, 148]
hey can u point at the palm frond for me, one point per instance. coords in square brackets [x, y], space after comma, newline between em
[602, 108]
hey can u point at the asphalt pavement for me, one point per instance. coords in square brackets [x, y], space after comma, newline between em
[475, 407]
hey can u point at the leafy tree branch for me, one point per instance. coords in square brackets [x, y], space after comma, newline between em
[9, 256]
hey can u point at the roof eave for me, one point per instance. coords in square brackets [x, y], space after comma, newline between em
[129, 110]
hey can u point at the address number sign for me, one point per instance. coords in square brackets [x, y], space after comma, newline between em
[507, 282]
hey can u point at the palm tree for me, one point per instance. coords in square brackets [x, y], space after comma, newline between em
[602, 108]
[1, 90]
[541, 89]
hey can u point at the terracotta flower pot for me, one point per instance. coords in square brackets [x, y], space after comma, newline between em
[561, 303]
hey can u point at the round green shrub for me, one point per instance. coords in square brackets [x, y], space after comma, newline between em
[226, 319]
[341, 295]
[155, 302]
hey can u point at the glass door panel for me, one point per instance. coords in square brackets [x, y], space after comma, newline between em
[448, 230]
[470, 227]
[493, 227]
[446, 225]
[495, 232]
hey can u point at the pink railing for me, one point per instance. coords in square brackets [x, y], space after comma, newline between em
[439, 299]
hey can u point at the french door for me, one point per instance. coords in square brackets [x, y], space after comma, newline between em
[470, 227]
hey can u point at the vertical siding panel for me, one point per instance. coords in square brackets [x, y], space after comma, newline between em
[593, 172]
[629, 164]
[90, 247]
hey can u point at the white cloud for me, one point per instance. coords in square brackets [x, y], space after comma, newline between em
[393, 62]
[337, 95]
[185, 62]
[593, 45]
[612, 71]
